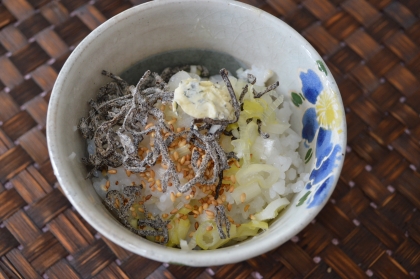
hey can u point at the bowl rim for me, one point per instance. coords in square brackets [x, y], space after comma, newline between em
[148, 249]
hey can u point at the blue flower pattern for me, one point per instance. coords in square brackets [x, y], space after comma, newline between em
[327, 154]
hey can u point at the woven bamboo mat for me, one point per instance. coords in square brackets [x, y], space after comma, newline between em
[370, 227]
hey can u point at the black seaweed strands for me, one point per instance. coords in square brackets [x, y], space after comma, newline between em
[121, 206]
[117, 124]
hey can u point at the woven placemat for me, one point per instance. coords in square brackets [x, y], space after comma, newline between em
[369, 228]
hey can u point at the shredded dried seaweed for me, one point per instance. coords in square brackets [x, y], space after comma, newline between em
[148, 226]
[117, 124]
[221, 220]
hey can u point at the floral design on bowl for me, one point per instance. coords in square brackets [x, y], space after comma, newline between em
[322, 127]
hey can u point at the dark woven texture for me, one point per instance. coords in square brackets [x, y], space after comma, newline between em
[369, 228]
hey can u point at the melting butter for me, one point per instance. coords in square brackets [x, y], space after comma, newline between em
[204, 99]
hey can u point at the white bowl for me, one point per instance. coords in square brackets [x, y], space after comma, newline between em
[244, 32]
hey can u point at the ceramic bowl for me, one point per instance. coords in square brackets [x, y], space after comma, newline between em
[247, 34]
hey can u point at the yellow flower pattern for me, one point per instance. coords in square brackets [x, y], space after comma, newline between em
[328, 110]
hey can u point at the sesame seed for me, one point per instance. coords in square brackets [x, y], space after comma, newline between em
[107, 184]
[164, 216]
[116, 182]
[229, 207]
[209, 228]
[209, 213]
[148, 197]
[231, 189]
[205, 206]
[252, 217]
[185, 217]
[178, 194]
[237, 164]
[188, 206]
[246, 207]
[187, 197]
[152, 173]
[140, 209]
[169, 226]
[173, 197]
[128, 173]
[148, 126]
[243, 197]
[233, 178]
[112, 171]
[196, 225]
[175, 210]
[182, 143]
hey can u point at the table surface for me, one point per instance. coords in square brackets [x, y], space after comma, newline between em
[369, 228]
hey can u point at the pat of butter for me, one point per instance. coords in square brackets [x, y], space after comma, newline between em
[204, 99]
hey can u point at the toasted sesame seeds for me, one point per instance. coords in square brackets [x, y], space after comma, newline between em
[148, 197]
[196, 225]
[209, 228]
[185, 217]
[231, 189]
[246, 207]
[169, 226]
[149, 125]
[209, 213]
[229, 207]
[113, 171]
[173, 197]
[243, 197]
[182, 143]
[140, 209]
[252, 217]
[175, 210]
[164, 216]
[179, 194]
[188, 206]
[233, 178]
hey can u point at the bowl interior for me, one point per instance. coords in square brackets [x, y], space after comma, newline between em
[249, 35]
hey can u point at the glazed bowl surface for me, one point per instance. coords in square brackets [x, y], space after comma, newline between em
[248, 35]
